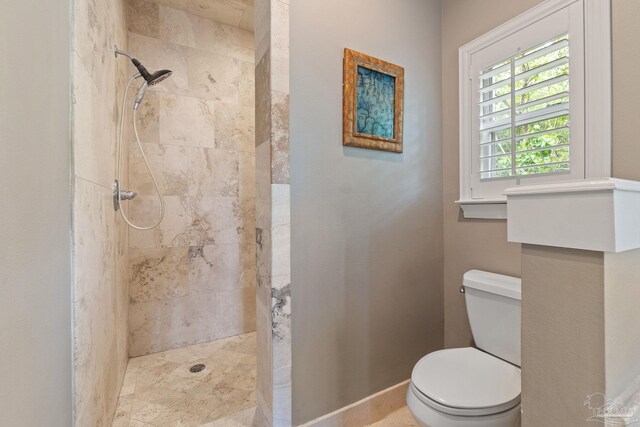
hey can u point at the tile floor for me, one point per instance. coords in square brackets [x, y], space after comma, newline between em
[400, 418]
[160, 391]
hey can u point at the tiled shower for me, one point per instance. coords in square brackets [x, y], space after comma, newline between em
[192, 279]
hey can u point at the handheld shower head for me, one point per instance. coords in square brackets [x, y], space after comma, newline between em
[150, 79]
[140, 95]
[159, 76]
[153, 79]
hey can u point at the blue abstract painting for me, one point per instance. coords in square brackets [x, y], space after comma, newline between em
[375, 103]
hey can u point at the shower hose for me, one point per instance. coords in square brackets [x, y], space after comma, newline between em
[144, 157]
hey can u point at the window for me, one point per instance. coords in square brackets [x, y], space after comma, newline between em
[524, 113]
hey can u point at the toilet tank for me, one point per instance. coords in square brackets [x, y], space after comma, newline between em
[493, 305]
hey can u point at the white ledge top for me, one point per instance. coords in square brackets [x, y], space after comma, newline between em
[592, 214]
[597, 184]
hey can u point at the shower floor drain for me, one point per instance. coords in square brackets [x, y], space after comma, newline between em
[196, 368]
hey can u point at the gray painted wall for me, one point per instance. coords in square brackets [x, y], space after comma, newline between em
[35, 280]
[563, 334]
[367, 240]
[469, 243]
[625, 15]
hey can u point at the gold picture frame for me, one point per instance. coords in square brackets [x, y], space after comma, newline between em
[367, 107]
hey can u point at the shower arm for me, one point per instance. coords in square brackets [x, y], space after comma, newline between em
[143, 88]
[122, 52]
[150, 78]
[142, 70]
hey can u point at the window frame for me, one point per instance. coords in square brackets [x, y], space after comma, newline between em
[596, 127]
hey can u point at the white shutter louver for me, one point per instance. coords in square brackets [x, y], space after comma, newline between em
[524, 113]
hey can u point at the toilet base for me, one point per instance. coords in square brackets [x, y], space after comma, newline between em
[426, 416]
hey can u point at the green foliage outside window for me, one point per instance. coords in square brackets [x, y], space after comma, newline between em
[541, 145]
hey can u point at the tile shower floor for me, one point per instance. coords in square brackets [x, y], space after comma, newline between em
[401, 417]
[159, 390]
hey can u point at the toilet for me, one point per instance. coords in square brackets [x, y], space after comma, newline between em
[475, 387]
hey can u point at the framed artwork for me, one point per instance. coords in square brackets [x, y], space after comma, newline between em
[373, 102]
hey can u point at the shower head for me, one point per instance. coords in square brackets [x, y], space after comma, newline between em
[150, 78]
[158, 76]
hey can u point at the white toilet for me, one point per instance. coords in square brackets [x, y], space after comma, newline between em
[469, 387]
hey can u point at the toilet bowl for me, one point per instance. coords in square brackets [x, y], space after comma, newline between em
[464, 386]
[475, 387]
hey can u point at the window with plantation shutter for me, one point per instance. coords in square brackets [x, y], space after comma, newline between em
[524, 113]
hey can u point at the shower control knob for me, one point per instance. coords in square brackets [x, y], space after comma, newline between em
[119, 195]
[127, 195]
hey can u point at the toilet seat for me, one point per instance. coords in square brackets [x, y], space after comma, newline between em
[466, 382]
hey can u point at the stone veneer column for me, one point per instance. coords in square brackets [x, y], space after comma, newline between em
[273, 225]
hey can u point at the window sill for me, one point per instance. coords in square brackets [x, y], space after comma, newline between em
[484, 208]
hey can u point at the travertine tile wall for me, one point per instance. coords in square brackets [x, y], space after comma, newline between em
[99, 237]
[273, 219]
[193, 278]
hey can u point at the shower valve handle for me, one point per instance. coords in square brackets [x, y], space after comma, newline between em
[127, 195]
[119, 195]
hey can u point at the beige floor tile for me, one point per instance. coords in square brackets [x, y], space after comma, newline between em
[122, 415]
[177, 418]
[154, 372]
[400, 418]
[160, 391]
[145, 411]
[200, 404]
[161, 396]
[180, 384]
[234, 401]
[129, 382]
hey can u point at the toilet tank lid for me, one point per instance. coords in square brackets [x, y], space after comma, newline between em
[498, 284]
